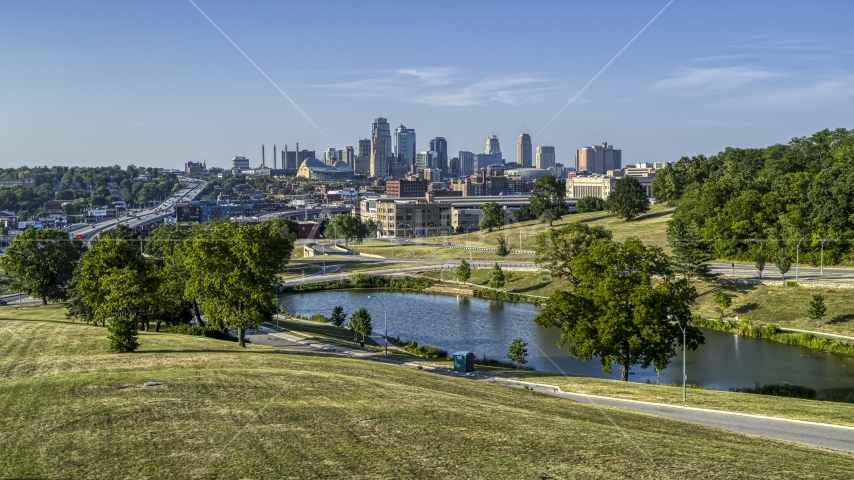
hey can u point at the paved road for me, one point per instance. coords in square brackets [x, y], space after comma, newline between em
[188, 192]
[821, 435]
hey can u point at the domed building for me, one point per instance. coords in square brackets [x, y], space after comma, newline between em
[314, 169]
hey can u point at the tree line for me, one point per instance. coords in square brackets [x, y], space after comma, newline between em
[227, 269]
[778, 203]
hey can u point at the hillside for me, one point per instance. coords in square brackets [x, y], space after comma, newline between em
[72, 410]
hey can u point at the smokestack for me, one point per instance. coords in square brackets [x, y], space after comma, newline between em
[274, 156]
[262, 155]
[285, 157]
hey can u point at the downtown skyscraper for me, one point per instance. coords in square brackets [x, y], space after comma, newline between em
[440, 146]
[381, 148]
[404, 145]
[524, 151]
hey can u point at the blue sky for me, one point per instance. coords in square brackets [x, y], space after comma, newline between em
[154, 83]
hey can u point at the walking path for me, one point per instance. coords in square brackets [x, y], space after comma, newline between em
[834, 437]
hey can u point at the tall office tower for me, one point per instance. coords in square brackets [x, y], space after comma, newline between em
[466, 163]
[330, 156]
[545, 157]
[348, 156]
[364, 149]
[379, 161]
[381, 134]
[454, 166]
[404, 145]
[440, 146]
[598, 159]
[524, 156]
[492, 145]
[424, 161]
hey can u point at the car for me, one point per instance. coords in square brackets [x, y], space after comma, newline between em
[3, 302]
[447, 244]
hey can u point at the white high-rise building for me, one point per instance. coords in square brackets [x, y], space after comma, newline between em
[545, 157]
[523, 151]
[598, 159]
[330, 156]
[404, 145]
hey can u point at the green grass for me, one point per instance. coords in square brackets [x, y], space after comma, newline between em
[785, 307]
[320, 331]
[72, 410]
[405, 251]
[525, 282]
[783, 407]
[651, 228]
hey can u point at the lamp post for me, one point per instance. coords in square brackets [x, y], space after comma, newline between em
[798, 258]
[673, 318]
[821, 271]
[385, 320]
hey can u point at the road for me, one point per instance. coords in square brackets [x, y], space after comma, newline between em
[188, 191]
[821, 435]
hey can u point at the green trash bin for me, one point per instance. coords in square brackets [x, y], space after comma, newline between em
[463, 361]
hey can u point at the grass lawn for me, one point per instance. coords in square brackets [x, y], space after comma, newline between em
[529, 283]
[651, 228]
[783, 306]
[405, 250]
[72, 410]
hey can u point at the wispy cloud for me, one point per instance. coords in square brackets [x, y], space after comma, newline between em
[775, 44]
[821, 94]
[446, 86]
[716, 58]
[699, 80]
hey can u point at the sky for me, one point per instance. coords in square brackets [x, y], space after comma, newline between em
[155, 83]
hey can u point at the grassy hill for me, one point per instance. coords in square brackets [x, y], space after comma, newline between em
[71, 410]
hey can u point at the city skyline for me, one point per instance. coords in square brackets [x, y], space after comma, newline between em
[85, 85]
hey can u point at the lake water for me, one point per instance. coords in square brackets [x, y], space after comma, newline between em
[487, 327]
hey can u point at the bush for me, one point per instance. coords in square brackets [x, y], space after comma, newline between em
[208, 331]
[428, 351]
[590, 204]
[319, 317]
[781, 390]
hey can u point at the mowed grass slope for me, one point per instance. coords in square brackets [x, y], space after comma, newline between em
[71, 410]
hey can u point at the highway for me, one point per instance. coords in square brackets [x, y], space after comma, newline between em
[188, 191]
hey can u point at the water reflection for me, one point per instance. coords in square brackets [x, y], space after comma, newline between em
[486, 327]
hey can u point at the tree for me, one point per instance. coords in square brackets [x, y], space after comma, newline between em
[338, 316]
[723, 301]
[557, 248]
[817, 309]
[589, 204]
[690, 250]
[667, 185]
[518, 352]
[463, 271]
[360, 322]
[493, 216]
[233, 271]
[783, 261]
[628, 199]
[496, 277]
[759, 260]
[549, 199]
[166, 246]
[348, 228]
[617, 312]
[128, 295]
[113, 250]
[43, 261]
[503, 248]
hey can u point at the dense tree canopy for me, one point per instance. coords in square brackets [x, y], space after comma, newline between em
[42, 262]
[493, 216]
[628, 199]
[548, 202]
[557, 248]
[774, 195]
[617, 312]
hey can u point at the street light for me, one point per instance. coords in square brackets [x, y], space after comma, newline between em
[673, 318]
[821, 272]
[797, 258]
[385, 320]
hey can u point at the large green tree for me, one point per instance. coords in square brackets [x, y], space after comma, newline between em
[128, 298]
[589, 204]
[493, 216]
[557, 248]
[628, 199]
[233, 271]
[348, 228]
[690, 250]
[42, 262]
[619, 310]
[360, 322]
[667, 185]
[165, 246]
[548, 201]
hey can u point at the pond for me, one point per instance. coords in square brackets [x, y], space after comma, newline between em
[486, 327]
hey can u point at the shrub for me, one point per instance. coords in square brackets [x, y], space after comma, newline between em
[781, 390]
[428, 351]
[208, 331]
[319, 317]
